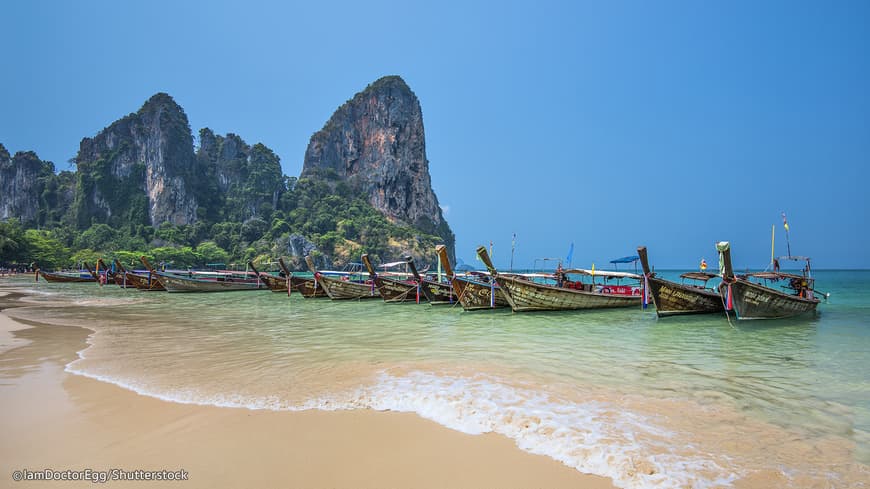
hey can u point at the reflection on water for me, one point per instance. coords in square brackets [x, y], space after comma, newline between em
[650, 403]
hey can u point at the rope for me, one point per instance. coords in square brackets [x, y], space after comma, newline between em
[459, 298]
[401, 297]
[725, 307]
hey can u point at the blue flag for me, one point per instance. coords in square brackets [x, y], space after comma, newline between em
[570, 255]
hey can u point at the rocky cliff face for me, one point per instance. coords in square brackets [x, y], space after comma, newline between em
[22, 183]
[140, 169]
[245, 181]
[375, 142]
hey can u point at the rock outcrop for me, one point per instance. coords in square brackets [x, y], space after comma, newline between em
[246, 181]
[376, 143]
[140, 169]
[23, 179]
[298, 247]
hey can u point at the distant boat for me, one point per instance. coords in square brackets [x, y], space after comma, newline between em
[437, 293]
[753, 300]
[671, 298]
[306, 286]
[116, 277]
[274, 283]
[206, 281]
[525, 294]
[68, 277]
[473, 294]
[149, 283]
[340, 286]
[393, 289]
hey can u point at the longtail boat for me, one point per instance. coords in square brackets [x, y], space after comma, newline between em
[342, 288]
[436, 292]
[308, 287]
[151, 283]
[67, 277]
[473, 294]
[393, 289]
[671, 298]
[116, 277]
[210, 282]
[524, 294]
[753, 300]
[275, 284]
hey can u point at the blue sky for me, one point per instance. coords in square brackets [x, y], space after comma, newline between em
[672, 124]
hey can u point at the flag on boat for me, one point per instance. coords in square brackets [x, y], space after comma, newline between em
[570, 254]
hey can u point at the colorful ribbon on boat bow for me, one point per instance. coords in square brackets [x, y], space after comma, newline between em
[492, 293]
[645, 290]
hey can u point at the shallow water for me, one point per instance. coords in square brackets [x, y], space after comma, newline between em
[676, 402]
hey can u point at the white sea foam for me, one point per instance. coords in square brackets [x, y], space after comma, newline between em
[593, 437]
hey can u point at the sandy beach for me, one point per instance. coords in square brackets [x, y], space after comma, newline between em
[55, 420]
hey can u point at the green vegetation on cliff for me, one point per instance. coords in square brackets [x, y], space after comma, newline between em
[339, 222]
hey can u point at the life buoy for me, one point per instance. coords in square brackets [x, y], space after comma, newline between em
[605, 290]
[636, 292]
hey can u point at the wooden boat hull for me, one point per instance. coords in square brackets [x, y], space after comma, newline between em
[475, 296]
[119, 280]
[62, 278]
[438, 293]
[524, 295]
[175, 283]
[754, 301]
[273, 283]
[145, 283]
[308, 287]
[338, 289]
[397, 291]
[671, 298]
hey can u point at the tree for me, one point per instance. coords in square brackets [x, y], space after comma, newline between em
[12, 242]
[210, 252]
[47, 252]
[98, 237]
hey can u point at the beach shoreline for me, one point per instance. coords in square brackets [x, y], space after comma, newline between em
[57, 420]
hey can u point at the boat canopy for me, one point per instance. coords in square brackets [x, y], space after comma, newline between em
[529, 275]
[774, 275]
[626, 259]
[702, 276]
[392, 264]
[602, 273]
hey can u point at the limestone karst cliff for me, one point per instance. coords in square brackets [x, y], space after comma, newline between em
[31, 191]
[243, 181]
[140, 183]
[139, 169]
[18, 185]
[376, 142]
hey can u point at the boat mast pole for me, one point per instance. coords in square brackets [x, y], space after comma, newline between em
[513, 246]
[772, 235]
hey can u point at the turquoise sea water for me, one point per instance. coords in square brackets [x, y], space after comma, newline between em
[675, 402]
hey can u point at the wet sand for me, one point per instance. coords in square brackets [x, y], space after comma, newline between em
[53, 419]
